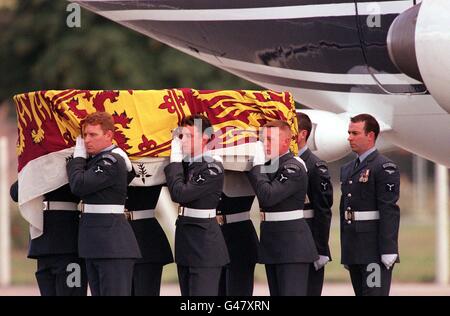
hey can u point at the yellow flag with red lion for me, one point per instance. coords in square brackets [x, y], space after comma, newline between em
[49, 122]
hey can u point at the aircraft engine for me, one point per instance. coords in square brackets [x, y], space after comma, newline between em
[328, 138]
[419, 45]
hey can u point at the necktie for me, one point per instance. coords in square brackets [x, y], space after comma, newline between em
[356, 164]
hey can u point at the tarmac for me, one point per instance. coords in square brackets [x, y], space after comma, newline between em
[330, 289]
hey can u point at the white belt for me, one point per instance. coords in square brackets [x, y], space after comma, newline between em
[194, 212]
[233, 218]
[308, 213]
[60, 206]
[361, 216]
[103, 208]
[281, 216]
[141, 214]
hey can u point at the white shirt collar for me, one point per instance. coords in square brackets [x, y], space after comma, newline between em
[302, 150]
[365, 154]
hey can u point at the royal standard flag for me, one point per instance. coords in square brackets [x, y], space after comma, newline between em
[49, 122]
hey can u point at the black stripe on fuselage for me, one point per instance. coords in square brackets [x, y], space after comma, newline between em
[320, 44]
[324, 44]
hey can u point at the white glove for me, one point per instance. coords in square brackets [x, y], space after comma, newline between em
[321, 262]
[388, 260]
[124, 155]
[259, 157]
[80, 148]
[176, 153]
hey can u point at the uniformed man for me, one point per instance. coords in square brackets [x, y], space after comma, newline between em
[233, 214]
[369, 212]
[56, 250]
[317, 209]
[200, 249]
[106, 239]
[287, 247]
[153, 243]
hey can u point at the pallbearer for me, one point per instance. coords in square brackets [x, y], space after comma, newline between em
[196, 184]
[287, 247]
[153, 243]
[60, 271]
[317, 209]
[233, 215]
[106, 239]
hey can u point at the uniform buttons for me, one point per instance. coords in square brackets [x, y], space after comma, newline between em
[349, 208]
[350, 182]
[349, 195]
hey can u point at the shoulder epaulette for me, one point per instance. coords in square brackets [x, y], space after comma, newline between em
[109, 157]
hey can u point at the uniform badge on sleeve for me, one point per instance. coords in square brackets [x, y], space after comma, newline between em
[199, 179]
[390, 167]
[107, 163]
[282, 178]
[98, 169]
[390, 187]
[214, 169]
[322, 166]
[364, 176]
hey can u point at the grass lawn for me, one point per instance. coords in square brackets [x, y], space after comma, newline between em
[416, 253]
[416, 256]
[22, 268]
